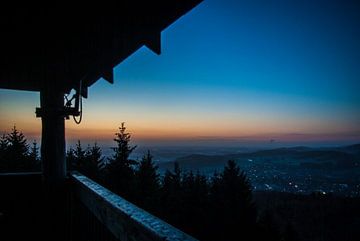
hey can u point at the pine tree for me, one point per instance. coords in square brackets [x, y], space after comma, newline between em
[120, 168]
[93, 163]
[234, 213]
[216, 216]
[172, 197]
[3, 143]
[70, 159]
[177, 176]
[201, 203]
[79, 154]
[147, 184]
[17, 151]
[87, 161]
[96, 157]
[34, 152]
[34, 160]
[75, 158]
[4, 161]
[123, 149]
[195, 203]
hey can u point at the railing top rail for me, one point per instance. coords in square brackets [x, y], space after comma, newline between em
[125, 220]
[16, 174]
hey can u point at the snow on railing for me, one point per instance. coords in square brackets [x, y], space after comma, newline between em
[122, 218]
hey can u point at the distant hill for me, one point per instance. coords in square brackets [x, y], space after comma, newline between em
[353, 149]
[337, 157]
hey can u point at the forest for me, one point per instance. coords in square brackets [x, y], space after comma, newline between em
[221, 207]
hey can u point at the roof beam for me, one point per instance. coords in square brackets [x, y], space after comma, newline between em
[154, 43]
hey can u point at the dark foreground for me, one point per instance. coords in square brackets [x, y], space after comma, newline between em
[315, 216]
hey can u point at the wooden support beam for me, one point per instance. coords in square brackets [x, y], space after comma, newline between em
[53, 136]
[56, 199]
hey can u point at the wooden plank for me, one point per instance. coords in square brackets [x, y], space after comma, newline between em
[125, 220]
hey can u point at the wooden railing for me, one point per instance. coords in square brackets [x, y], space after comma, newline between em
[123, 219]
[93, 213]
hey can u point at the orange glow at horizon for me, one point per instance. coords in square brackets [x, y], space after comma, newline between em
[157, 129]
[101, 122]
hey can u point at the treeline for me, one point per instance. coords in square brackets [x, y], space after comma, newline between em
[216, 208]
[16, 154]
[220, 207]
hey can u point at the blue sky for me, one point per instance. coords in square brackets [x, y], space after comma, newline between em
[237, 69]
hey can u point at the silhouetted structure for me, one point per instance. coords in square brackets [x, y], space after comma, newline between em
[56, 47]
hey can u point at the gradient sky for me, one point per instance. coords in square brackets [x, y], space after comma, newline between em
[229, 70]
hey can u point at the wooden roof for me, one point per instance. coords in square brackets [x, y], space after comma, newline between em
[62, 45]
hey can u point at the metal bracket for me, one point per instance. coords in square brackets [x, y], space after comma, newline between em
[64, 112]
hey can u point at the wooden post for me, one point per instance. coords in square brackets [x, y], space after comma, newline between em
[56, 206]
[53, 137]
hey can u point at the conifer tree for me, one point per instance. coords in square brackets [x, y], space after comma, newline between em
[194, 203]
[90, 161]
[15, 154]
[120, 168]
[34, 159]
[71, 159]
[17, 151]
[79, 154]
[87, 161]
[17, 143]
[96, 157]
[147, 184]
[75, 158]
[201, 204]
[94, 162]
[34, 152]
[172, 196]
[234, 210]
[4, 152]
[3, 143]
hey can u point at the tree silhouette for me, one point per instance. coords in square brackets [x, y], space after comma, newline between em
[15, 155]
[234, 212]
[34, 152]
[120, 173]
[17, 149]
[171, 196]
[147, 184]
[71, 159]
[94, 162]
[3, 143]
[34, 159]
[195, 204]
[79, 153]
[4, 161]
[76, 158]
[89, 162]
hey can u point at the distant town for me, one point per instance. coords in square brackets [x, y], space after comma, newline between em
[304, 170]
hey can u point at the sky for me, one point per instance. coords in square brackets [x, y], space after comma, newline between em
[229, 72]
